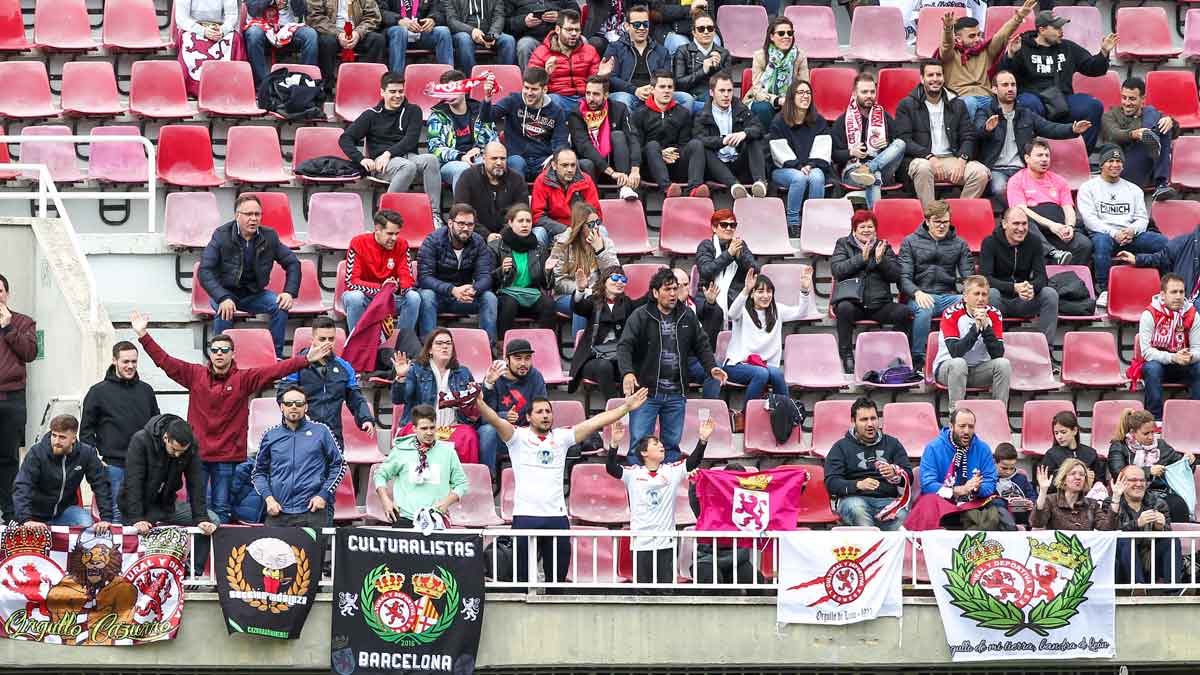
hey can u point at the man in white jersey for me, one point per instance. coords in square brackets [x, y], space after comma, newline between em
[539, 456]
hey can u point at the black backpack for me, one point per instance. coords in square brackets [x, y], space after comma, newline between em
[292, 95]
[786, 415]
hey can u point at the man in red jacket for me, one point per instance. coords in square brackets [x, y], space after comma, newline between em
[18, 346]
[376, 258]
[219, 402]
[569, 60]
[557, 189]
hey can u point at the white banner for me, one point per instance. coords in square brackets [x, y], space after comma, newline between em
[839, 577]
[911, 9]
[1024, 595]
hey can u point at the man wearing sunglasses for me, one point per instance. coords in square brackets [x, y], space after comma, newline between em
[219, 402]
[635, 57]
[298, 466]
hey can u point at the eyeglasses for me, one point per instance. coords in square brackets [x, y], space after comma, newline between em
[784, 33]
[639, 25]
[250, 214]
[727, 224]
[219, 350]
[443, 343]
[293, 404]
[705, 29]
[618, 278]
[463, 223]
[941, 223]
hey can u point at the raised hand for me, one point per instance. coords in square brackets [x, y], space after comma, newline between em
[1043, 478]
[139, 322]
[1108, 43]
[629, 384]
[617, 434]
[636, 400]
[806, 278]
[711, 292]
[494, 371]
[706, 429]
[401, 365]
[751, 278]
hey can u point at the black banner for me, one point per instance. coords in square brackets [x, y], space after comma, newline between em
[267, 578]
[406, 602]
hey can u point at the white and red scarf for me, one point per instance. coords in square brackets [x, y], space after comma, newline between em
[899, 477]
[277, 35]
[876, 126]
[1171, 331]
[452, 90]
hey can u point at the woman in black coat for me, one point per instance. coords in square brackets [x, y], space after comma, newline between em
[606, 308]
[1134, 442]
[523, 273]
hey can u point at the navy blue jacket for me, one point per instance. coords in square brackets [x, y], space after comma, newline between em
[221, 263]
[46, 485]
[295, 466]
[506, 394]
[420, 388]
[1181, 256]
[533, 133]
[625, 58]
[248, 506]
[439, 270]
[326, 394]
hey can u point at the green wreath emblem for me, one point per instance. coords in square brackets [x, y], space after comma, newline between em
[367, 600]
[988, 612]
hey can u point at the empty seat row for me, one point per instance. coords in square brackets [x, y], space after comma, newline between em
[63, 26]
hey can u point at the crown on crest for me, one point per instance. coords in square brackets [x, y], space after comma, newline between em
[1056, 553]
[985, 552]
[850, 552]
[22, 540]
[758, 481]
[392, 581]
[429, 585]
[171, 541]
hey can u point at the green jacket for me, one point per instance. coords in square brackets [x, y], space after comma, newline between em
[401, 464]
[441, 129]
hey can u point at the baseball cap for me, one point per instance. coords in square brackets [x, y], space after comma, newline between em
[1047, 18]
[517, 346]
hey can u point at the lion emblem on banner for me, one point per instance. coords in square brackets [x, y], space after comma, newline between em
[396, 617]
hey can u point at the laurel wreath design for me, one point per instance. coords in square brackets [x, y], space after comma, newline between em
[366, 600]
[989, 612]
[237, 580]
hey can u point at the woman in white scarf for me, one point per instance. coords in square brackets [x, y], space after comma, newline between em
[1134, 443]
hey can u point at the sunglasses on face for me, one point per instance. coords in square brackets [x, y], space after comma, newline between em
[294, 404]
[784, 33]
[594, 223]
[219, 350]
[705, 29]
[639, 25]
[618, 278]
[727, 224]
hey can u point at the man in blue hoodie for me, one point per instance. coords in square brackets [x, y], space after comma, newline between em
[533, 125]
[509, 389]
[958, 481]
[329, 383]
[298, 467]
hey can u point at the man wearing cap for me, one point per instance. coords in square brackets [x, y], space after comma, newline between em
[508, 388]
[1114, 212]
[1145, 136]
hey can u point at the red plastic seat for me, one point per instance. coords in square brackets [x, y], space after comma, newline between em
[597, 497]
[831, 419]
[253, 347]
[759, 439]
[89, 89]
[816, 31]
[1129, 291]
[742, 27]
[12, 28]
[810, 361]
[339, 308]
[720, 444]
[131, 26]
[626, 223]
[58, 156]
[185, 157]
[545, 352]
[991, 420]
[26, 92]
[1145, 35]
[1029, 355]
[157, 92]
[639, 278]
[473, 349]
[1105, 415]
[476, 508]
[345, 502]
[1037, 420]
[302, 339]
[1173, 92]
[973, 220]
[253, 156]
[1090, 360]
[277, 214]
[374, 509]
[823, 222]
[417, 213]
[1179, 427]
[594, 558]
[814, 501]
[686, 221]
[264, 414]
[1069, 159]
[763, 226]
[312, 71]
[1084, 273]
[227, 90]
[334, 218]
[1191, 36]
[877, 350]
[313, 142]
[190, 218]
[308, 302]
[1176, 217]
[416, 76]
[1085, 28]
[118, 161]
[895, 84]
[786, 277]
[832, 88]
[1185, 166]
[896, 219]
[913, 423]
[508, 80]
[878, 36]
[357, 89]
[62, 26]
[995, 18]
[360, 448]
[1106, 88]
[929, 29]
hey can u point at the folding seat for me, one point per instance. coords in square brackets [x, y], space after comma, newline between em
[264, 414]
[877, 350]
[12, 28]
[1085, 275]
[131, 26]
[508, 492]
[639, 278]
[357, 89]
[1085, 28]
[339, 308]
[896, 219]
[1106, 88]
[1185, 164]
[345, 502]
[823, 222]
[684, 515]
[1106, 414]
[1179, 427]
[58, 156]
[832, 88]
[156, 91]
[302, 339]
[1129, 291]
[62, 26]
[227, 90]
[1032, 369]
[417, 213]
[759, 439]
[1191, 35]
[991, 420]
[308, 302]
[26, 93]
[313, 142]
[814, 501]
[763, 226]
[118, 161]
[185, 157]
[476, 508]
[1145, 35]
[929, 29]
[334, 218]
[253, 156]
[686, 221]
[508, 80]
[1037, 434]
[747, 82]
[1090, 360]
[913, 423]
[810, 361]
[190, 218]
[1173, 92]
[742, 27]
[6, 159]
[374, 508]
[895, 84]
[597, 497]
[89, 89]
[878, 36]
[1176, 217]
[816, 31]
[1069, 159]
[416, 76]
[831, 419]
[786, 277]
[545, 352]
[996, 17]
[253, 347]
[626, 223]
[360, 448]
[473, 349]
[277, 213]
[594, 558]
[720, 444]
[973, 220]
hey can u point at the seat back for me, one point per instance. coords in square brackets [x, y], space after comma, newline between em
[832, 88]
[309, 301]
[1090, 357]
[264, 414]
[545, 350]
[814, 500]
[357, 89]
[508, 491]
[742, 28]
[823, 222]
[416, 76]
[686, 221]
[594, 558]
[1179, 427]
[762, 224]
[313, 142]
[1085, 28]
[1069, 159]
[1106, 88]
[913, 423]
[1145, 32]
[816, 31]
[639, 275]
[334, 218]
[626, 223]
[897, 83]
[568, 413]
[227, 88]
[118, 161]
[1173, 92]
[253, 155]
[190, 218]
[1029, 355]
[277, 214]
[877, 349]
[157, 88]
[831, 419]
[1037, 421]
[473, 349]
[90, 88]
[759, 438]
[184, 154]
[1129, 292]
[417, 213]
[58, 156]
[929, 29]
[1106, 414]
[720, 444]
[997, 16]
[302, 339]
[896, 219]
[991, 420]
[476, 508]
[1082, 272]
[1176, 217]
[253, 347]
[1185, 165]
[62, 25]
[786, 278]
[1191, 35]
[879, 35]
[811, 360]
[12, 27]
[27, 88]
[973, 220]
[597, 497]
[345, 502]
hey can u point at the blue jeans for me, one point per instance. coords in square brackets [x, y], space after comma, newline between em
[668, 410]
[567, 103]
[408, 307]
[562, 304]
[464, 50]
[437, 39]
[73, 516]
[756, 379]
[218, 476]
[116, 476]
[698, 375]
[923, 317]
[883, 166]
[1155, 373]
[1081, 107]
[452, 170]
[528, 168]
[490, 447]
[974, 103]
[1103, 247]
[303, 41]
[265, 302]
[432, 303]
[1140, 168]
[999, 184]
[799, 187]
[633, 103]
[860, 512]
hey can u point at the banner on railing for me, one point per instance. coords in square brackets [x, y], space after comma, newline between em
[835, 578]
[405, 602]
[267, 578]
[72, 586]
[1024, 595]
[749, 501]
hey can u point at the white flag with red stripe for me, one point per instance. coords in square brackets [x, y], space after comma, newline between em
[840, 577]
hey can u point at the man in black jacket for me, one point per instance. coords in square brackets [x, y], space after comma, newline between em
[696, 61]
[114, 409]
[475, 24]
[653, 352]
[939, 139]
[530, 21]
[490, 187]
[45, 490]
[1015, 269]
[392, 131]
[932, 260]
[162, 455]
[868, 473]
[664, 129]
[235, 269]
[733, 139]
[606, 122]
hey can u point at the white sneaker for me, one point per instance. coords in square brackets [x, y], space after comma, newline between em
[738, 191]
[629, 194]
[759, 189]
[1102, 299]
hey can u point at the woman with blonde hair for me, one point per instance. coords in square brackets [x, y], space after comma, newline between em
[585, 247]
[1134, 443]
[1068, 508]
